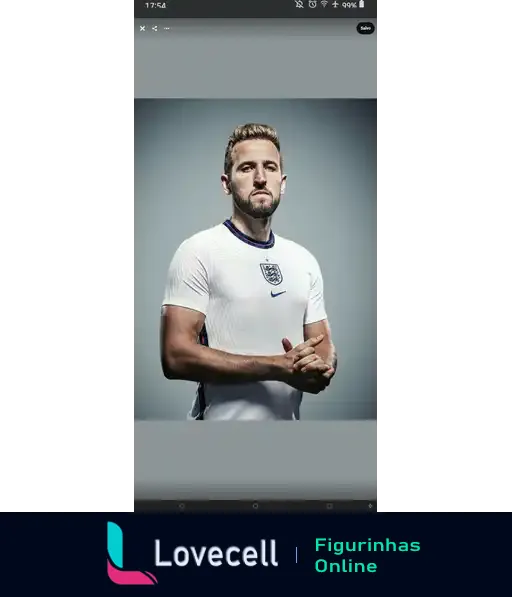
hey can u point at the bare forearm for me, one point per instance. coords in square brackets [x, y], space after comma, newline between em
[202, 363]
[327, 352]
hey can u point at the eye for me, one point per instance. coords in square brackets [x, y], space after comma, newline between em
[271, 167]
[246, 168]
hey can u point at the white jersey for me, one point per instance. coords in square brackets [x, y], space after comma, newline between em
[253, 294]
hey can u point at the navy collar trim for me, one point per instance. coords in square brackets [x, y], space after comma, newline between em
[268, 244]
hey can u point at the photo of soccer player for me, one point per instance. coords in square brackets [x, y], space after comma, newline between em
[244, 320]
[254, 299]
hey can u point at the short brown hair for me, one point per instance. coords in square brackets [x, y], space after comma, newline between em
[247, 131]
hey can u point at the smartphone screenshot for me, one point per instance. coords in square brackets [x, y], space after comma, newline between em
[255, 255]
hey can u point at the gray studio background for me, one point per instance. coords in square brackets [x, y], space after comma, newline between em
[216, 58]
[329, 150]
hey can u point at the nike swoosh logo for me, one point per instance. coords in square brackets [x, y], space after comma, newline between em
[273, 295]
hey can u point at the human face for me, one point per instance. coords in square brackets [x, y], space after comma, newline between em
[256, 182]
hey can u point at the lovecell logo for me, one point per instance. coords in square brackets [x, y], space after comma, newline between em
[115, 570]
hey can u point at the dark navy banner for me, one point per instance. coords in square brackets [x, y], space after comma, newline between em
[68, 553]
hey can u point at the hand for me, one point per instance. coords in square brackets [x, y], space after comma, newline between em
[312, 363]
[310, 372]
[294, 355]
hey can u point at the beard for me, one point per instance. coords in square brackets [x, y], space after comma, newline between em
[257, 211]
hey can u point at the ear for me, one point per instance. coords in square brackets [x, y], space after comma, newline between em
[283, 185]
[225, 184]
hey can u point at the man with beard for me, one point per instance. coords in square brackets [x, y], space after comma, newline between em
[243, 313]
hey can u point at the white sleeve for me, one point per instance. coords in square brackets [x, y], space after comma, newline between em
[315, 310]
[187, 279]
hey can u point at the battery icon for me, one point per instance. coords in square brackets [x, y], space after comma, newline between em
[361, 3]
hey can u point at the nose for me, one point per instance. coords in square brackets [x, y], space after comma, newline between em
[260, 176]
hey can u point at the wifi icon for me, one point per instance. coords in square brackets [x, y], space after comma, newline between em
[324, 3]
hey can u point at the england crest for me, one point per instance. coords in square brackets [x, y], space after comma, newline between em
[271, 273]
